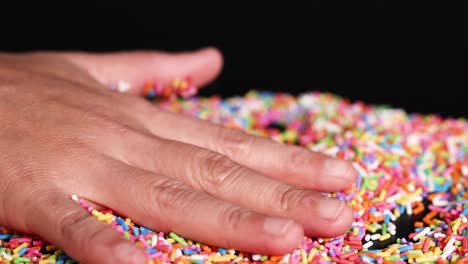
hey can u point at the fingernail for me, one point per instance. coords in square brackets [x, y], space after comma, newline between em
[338, 169]
[125, 252]
[330, 209]
[277, 226]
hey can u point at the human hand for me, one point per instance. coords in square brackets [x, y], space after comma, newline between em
[63, 132]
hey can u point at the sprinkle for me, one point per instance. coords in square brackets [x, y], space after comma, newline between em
[409, 166]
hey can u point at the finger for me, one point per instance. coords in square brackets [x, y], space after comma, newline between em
[217, 175]
[165, 204]
[291, 164]
[80, 235]
[138, 67]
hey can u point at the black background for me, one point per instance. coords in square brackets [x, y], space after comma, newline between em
[412, 57]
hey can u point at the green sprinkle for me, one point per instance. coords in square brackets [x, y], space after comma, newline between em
[178, 239]
[393, 257]
[127, 235]
[21, 260]
[384, 229]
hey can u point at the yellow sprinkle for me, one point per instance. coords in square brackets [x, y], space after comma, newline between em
[176, 83]
[47, 261]
[220, 258]
[355, 231]
[303, 256]
[383, 254]
[384, 237]
[183, 85]
[425, 259]
[18, 248]
[403, 200]
[311, 255]
[396, 212]
[413, 256]
[437, 251]
[382, 195]
[392, 249]
[51, 247]
[96, 212]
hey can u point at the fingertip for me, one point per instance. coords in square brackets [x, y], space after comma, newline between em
[211, 60]
[342, 223]
[287, 242]
[336, 175]
[128, 253]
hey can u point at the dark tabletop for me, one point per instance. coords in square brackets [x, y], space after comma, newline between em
[414, 57]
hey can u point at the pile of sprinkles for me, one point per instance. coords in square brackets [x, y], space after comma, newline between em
[410, 199]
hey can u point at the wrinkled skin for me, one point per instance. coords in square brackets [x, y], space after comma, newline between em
[63, 132]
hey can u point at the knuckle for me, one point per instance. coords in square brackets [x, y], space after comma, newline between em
[300, 158]
[71, 223]
[235, 142]
[232, 216]
[287, 198]
[216, 171]
[167, 194]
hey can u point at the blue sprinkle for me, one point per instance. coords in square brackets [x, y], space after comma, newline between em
[22, 251]
[122, 223]
[404, 248]
[136, 231]
[222, 251]
[152, 250]
[189, 252]
[387, 218]
[465, 211]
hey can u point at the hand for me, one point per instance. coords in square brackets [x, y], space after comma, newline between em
[63, 132]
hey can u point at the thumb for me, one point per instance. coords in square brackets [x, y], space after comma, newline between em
[138, 67]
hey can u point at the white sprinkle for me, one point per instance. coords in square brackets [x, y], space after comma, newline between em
[368, 244]
[464, 170]
[449, 243]
[285, 259]
[393, 198]
[438, 202]
[409, 209]
[199, 257]
[178, 253]
[437, 235]
[237, 259]
[422, 233]
[447, 251]
[123, 86]
[359, 169]
[367, 237]
[154, 240]
[375, 236]
[7, 257]
[463, 218]
[256, 257]
[74, 197]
